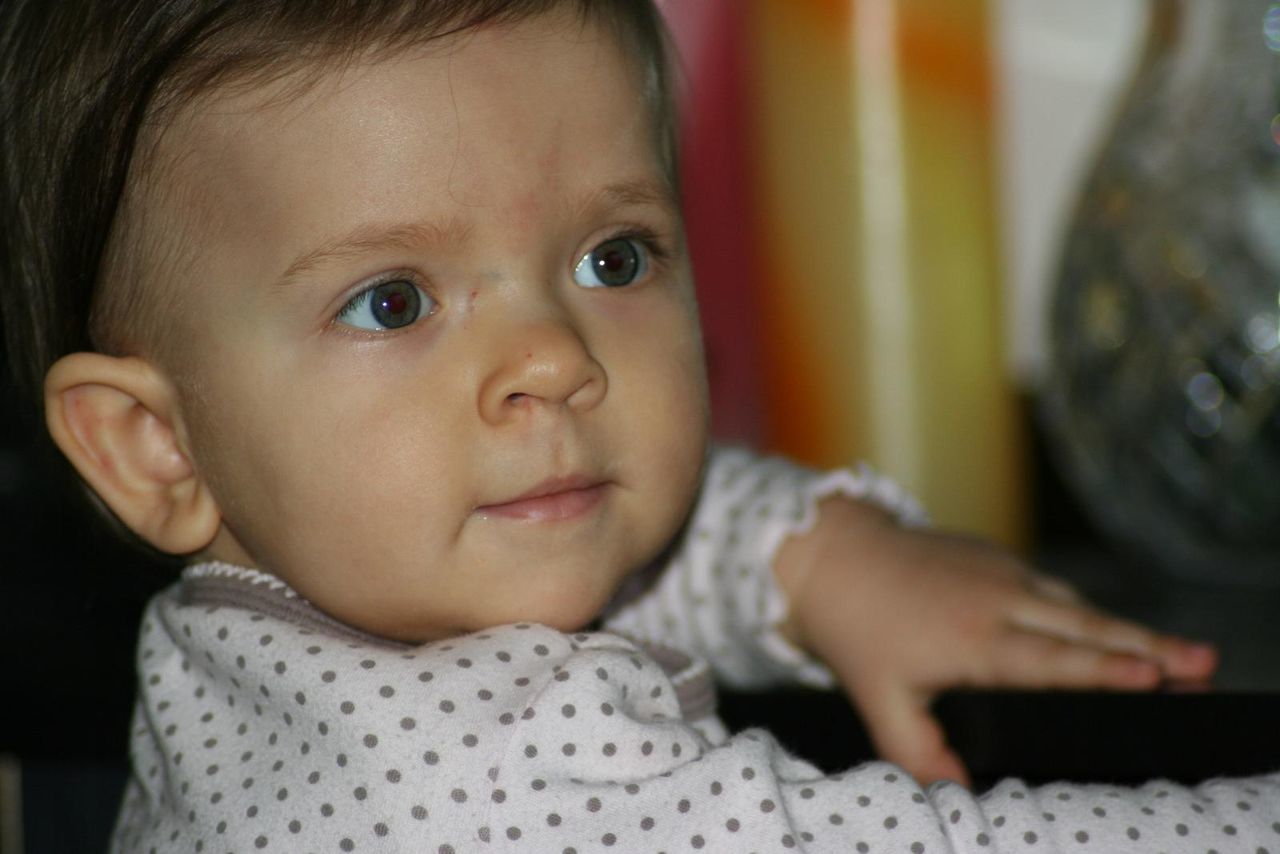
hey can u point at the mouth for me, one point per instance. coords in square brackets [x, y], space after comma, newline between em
[554, 500]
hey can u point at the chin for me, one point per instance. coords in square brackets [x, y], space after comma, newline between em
[560, 615]
[569, 623]
[567, 610]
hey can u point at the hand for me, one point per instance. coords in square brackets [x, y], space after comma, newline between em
[901, 615]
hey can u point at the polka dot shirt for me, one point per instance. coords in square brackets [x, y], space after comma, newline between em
[264, 725]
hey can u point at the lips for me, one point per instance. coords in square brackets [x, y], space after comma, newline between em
[554, 500]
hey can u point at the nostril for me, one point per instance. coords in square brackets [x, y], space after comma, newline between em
[516, 398]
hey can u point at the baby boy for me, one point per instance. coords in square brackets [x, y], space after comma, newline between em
[382, 313]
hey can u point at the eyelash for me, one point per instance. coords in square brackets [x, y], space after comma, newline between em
[646, 237]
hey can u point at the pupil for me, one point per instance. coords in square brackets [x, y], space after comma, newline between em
[395, 304]
[617, 262]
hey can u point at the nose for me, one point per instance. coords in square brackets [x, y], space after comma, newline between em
[541, 362]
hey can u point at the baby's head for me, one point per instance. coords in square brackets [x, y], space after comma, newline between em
[390, 299]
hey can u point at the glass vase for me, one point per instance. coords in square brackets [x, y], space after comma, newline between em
[1163, 396]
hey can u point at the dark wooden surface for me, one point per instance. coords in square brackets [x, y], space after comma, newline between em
[1122, 739]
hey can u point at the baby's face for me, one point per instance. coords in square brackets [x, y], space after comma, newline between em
[444, 369]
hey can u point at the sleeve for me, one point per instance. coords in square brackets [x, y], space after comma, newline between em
[717, 595]
[603, 761]
[257, 735]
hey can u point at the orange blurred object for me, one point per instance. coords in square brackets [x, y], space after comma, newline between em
[841, 202]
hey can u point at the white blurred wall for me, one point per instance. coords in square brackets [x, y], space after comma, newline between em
[1063, 64]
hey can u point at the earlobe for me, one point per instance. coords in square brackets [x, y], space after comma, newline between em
[117, 420]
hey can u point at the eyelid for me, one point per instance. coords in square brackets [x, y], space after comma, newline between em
[649, 238]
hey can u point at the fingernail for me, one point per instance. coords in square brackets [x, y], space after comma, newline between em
[1201, 651]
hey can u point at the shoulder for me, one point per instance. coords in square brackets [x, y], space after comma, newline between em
[235, 699]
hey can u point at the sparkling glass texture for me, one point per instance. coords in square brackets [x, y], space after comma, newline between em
[1163, 399]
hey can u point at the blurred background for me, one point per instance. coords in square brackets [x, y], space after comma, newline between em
[1021, 255]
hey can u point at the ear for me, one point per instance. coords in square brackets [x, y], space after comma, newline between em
[117, 420]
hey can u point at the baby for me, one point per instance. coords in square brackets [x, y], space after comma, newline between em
[381, 312]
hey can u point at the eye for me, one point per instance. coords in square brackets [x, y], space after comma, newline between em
[612, 264]
[392, 304]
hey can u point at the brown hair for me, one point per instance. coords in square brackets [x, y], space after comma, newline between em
[82, 82]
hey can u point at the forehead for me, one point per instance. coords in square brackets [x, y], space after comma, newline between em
[473, 123]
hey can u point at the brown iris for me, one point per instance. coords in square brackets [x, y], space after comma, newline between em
[395, 304]
[616, 262]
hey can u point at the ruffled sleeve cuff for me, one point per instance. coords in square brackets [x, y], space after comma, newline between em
[862, 484]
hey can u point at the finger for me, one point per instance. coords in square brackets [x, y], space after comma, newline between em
[1039, 661]
[1054, 589]
[1177, 658]
[1188, 661]
[905, 733]
[1084, 626]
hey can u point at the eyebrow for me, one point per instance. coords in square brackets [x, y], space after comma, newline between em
[374, 237]
[633, 193]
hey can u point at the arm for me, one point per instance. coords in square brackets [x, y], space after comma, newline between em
[783, 568]
[638, 778]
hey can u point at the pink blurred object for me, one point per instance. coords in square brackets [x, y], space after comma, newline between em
[711, 36]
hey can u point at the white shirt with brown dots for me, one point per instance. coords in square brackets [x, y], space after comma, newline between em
[264, 725]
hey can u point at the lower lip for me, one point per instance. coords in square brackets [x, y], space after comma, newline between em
[557, 507]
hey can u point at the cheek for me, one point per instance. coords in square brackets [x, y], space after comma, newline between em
[303, 471]
[669, 410]
[674, 361]
[265, 469]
